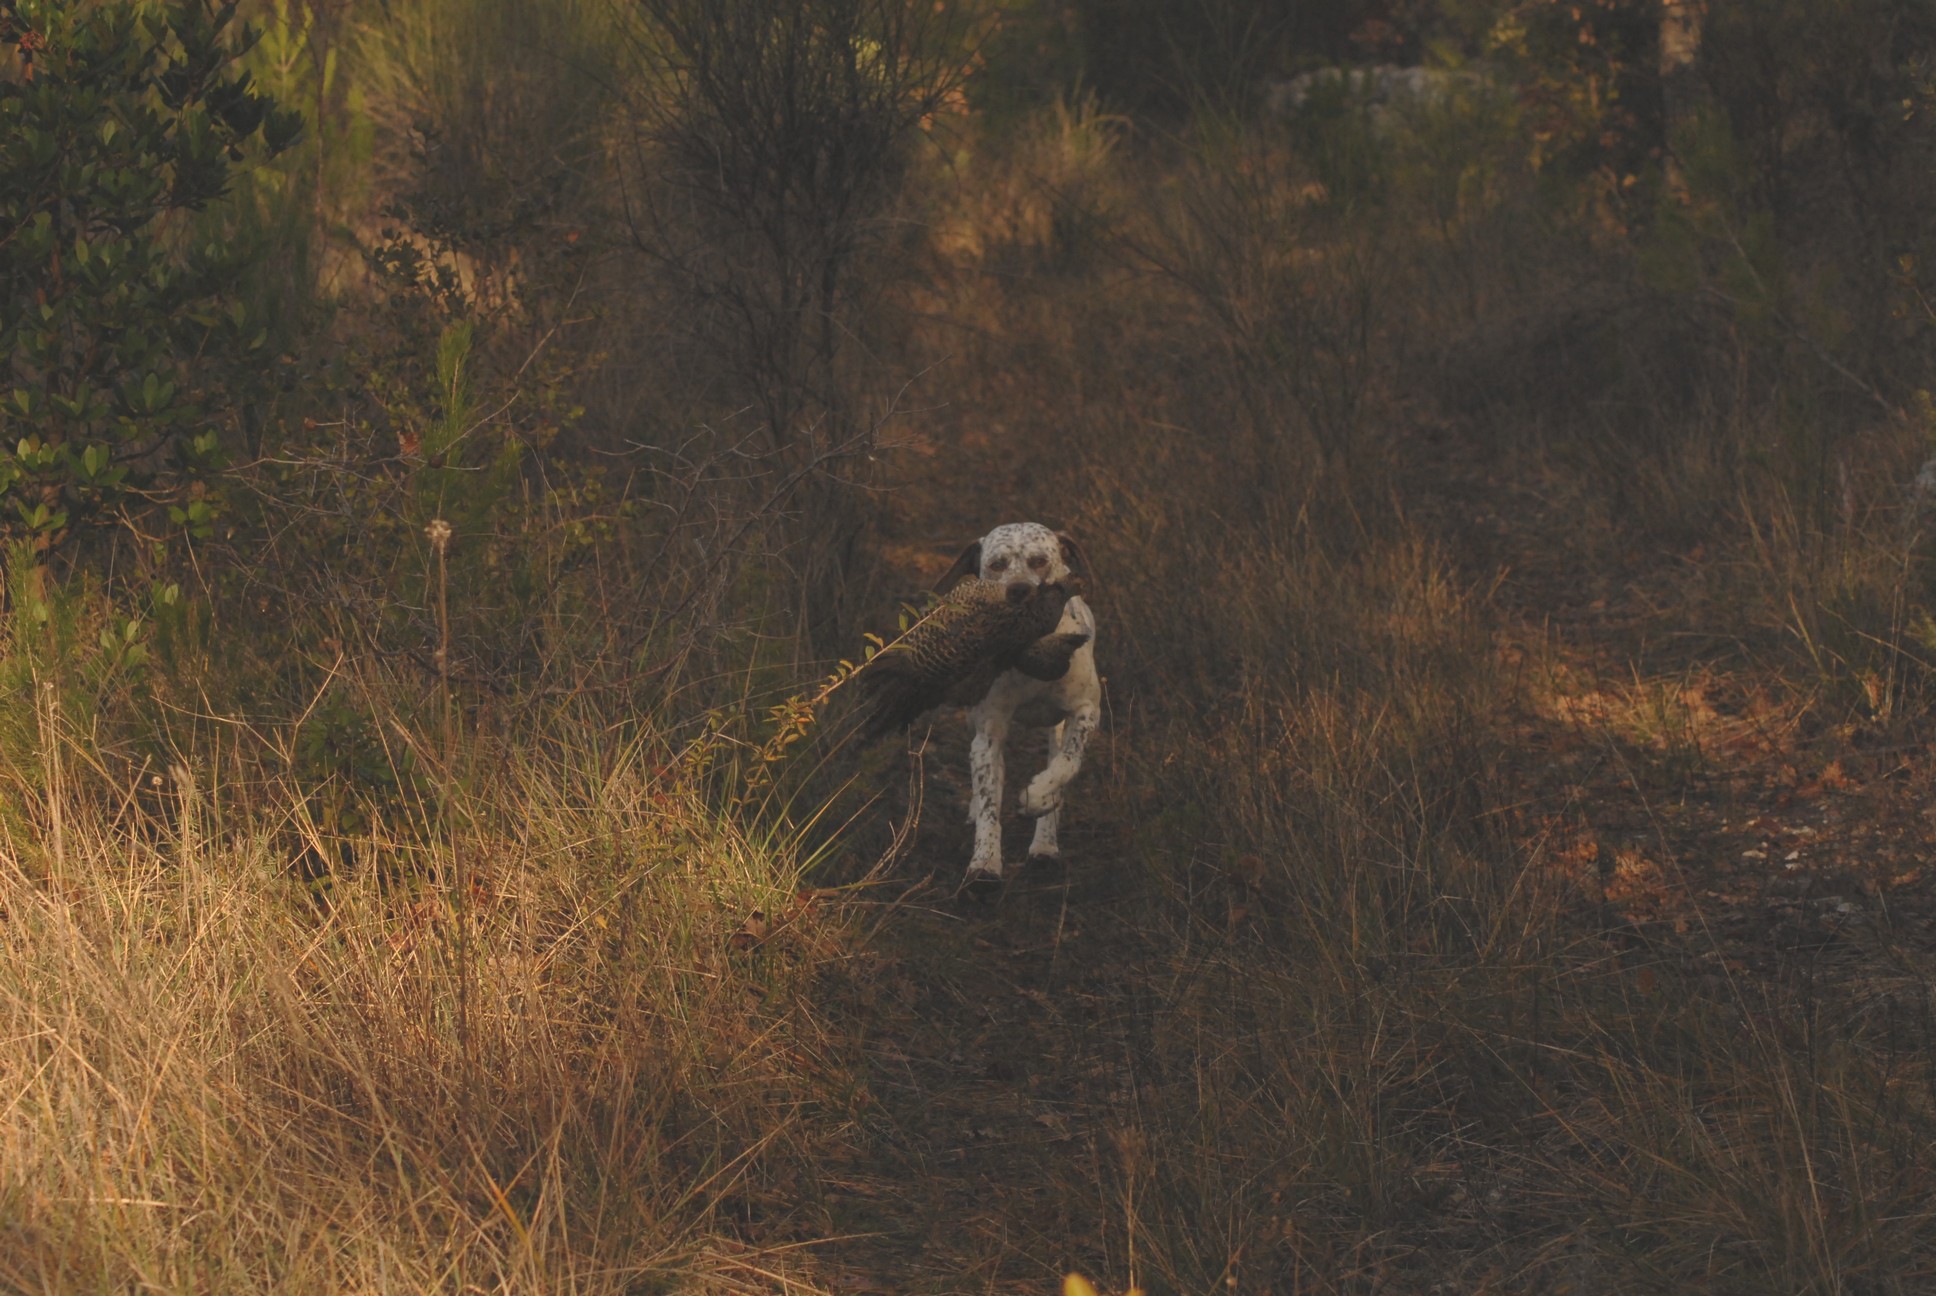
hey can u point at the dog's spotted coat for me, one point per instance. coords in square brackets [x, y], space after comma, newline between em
[1072, 705]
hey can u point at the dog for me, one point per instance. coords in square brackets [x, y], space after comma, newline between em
[1072, 705]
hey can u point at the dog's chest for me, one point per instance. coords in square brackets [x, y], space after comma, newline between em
[1042, 711]
[1045, 703]
[1033, 702]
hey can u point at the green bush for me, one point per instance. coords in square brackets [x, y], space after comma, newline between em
[120, 332]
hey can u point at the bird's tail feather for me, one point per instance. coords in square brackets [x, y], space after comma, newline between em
[892, 695]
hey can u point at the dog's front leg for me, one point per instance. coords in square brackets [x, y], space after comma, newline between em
[990, 726]
[1046, 843]
[1042, 798]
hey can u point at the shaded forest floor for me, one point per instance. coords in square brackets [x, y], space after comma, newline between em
[1712, 830]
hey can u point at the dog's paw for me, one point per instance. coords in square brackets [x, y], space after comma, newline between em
[979, 886]
[1039, 799]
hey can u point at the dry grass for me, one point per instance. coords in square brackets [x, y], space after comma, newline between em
[1472, 613]
[583, 1075]
[1389, 1034]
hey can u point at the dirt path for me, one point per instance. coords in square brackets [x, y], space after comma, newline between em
[1711, 819]
[999, 1039]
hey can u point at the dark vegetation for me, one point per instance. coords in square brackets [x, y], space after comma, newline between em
[449, 446]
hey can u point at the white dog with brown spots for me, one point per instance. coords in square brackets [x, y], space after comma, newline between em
[1071, 706]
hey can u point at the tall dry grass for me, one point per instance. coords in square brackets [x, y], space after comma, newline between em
[597, 1068]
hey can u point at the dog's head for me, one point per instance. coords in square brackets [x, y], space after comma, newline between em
[1019, 553]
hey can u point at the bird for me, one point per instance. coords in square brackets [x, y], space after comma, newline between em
[979, 629]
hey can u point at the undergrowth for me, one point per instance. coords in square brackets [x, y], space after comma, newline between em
[555, 1030]
[434, 864]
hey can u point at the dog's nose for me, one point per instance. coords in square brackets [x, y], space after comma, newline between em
[1019, 590]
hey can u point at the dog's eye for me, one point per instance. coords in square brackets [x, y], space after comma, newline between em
[1000, 564]
[1038, 562]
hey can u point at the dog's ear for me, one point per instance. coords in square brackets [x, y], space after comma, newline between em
[966, 565]
[1072, 556]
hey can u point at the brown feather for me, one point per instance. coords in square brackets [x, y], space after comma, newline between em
[954, 653]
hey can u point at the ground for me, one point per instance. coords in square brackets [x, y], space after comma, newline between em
[1717, 831]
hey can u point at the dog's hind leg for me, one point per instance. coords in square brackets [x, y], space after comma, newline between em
[990, 724]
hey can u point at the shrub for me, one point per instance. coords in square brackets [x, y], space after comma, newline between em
[776, 138]
[120, 334]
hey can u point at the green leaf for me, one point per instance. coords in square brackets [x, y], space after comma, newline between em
[139, 108]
